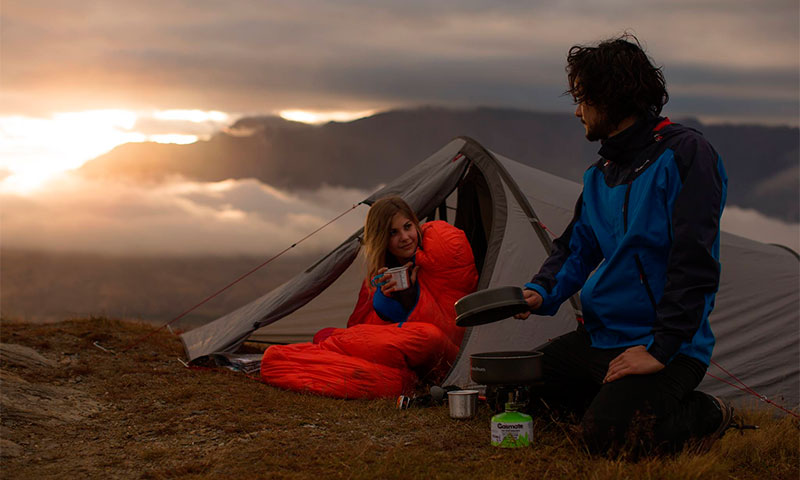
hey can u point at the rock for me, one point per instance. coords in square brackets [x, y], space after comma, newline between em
[20, 356]
[42, 404]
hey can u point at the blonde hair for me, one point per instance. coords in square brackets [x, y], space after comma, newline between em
[376, 230]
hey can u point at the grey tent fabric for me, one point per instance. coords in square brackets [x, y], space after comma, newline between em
[428, 184]
[227, 333]
[424, 187]
[521, 255]
[756, 319]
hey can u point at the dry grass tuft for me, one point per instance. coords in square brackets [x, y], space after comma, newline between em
[159, 420]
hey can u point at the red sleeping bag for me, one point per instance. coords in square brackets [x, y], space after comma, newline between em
[372, 358]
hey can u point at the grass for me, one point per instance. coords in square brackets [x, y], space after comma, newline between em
[160, 420]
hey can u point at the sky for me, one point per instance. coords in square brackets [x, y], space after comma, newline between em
[80, 77]
[726, 59]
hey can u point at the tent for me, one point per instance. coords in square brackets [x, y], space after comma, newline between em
[507, 210]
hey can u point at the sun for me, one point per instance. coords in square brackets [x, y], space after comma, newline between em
[34, 150]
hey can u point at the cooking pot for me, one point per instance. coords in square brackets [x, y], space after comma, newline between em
[490, 305]
[506, 368]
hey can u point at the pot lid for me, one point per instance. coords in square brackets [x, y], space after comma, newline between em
[491, 305]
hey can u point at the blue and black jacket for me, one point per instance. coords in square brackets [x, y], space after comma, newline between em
[649, 217]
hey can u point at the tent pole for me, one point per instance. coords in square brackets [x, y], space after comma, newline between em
[443, 211]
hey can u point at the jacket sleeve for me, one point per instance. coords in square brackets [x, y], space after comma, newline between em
[574, 255]
[693, 269]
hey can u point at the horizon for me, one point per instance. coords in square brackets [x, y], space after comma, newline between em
[185, 217]
[24, 172]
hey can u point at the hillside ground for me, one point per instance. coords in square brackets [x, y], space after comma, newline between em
[76, 411]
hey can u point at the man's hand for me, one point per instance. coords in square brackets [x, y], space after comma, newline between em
[633, 361]
[534, 301]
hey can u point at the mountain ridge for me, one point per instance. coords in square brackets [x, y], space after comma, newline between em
[761, 161]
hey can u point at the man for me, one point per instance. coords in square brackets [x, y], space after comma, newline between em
[643, 248]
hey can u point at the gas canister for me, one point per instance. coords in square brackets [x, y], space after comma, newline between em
[512, 428]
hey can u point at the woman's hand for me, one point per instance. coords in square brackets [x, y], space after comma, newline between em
[389, 285]
[534, 301]
[386, 283]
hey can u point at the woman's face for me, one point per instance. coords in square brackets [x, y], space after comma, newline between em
[403, 237]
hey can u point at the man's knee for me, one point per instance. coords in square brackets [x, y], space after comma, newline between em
[598, 431]
[617, 419]
[618, 435]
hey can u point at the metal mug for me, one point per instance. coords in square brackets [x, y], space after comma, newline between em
[400, 276]
[463, 403]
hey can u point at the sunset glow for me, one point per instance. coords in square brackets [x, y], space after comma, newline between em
[197, 116]
[317, 117]
[178, 138]
[34, 150]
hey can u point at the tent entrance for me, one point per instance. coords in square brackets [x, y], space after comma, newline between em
[471, 201]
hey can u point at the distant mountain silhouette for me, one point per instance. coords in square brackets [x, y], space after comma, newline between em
[762, 162]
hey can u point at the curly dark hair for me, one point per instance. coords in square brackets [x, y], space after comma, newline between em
[616, 77]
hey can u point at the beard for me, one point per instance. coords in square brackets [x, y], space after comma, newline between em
[600, 129]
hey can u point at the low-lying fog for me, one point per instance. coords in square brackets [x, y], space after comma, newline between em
[81, 247]
[221, 218]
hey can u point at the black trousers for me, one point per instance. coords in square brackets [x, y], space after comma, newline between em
[641, 414]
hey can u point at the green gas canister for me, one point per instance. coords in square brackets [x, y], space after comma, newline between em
[512, 428]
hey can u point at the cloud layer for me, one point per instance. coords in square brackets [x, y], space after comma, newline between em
[752, 224]
[177, 218]
[222, 218]
[353, 55]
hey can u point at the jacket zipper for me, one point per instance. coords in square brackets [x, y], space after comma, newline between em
[639, 266]
[625, 208]
[643, 279]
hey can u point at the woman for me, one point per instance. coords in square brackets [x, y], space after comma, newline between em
[394, 337]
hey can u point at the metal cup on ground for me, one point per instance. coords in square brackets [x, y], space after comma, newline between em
[462, 403]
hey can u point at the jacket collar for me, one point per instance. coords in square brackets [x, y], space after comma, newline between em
[625, 146]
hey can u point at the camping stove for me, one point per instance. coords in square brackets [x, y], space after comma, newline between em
[515, 373]
[498, 395]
